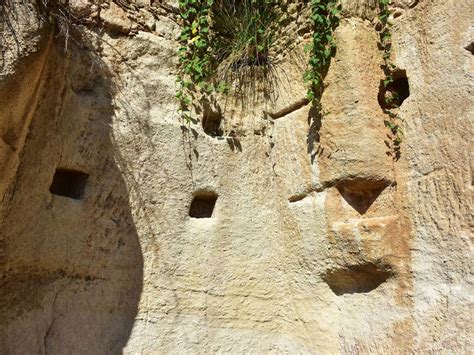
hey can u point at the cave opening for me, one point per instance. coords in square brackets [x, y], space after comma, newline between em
[401, 87]
[396, 92]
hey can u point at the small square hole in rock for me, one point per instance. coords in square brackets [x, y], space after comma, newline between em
[203, 205]
[69, 183]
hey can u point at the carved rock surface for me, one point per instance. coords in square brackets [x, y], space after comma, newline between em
[255, 229]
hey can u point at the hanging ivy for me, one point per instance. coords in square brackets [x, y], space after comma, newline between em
[194, 56]
[325, 19]
[393, 120]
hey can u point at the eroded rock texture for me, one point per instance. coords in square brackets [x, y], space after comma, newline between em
[258, 228]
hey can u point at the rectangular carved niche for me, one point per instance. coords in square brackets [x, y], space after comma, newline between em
[69, 183]
[202, 205]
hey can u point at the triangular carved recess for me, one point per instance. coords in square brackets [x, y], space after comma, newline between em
[360, 194]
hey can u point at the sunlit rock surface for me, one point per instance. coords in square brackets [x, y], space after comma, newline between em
[258, 228]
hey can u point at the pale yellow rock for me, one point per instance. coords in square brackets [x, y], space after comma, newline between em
[115, 19]
[82, 8]
[318, 243]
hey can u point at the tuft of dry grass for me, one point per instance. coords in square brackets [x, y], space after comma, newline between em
[242, 34]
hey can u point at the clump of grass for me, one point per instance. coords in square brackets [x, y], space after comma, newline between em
[242, 37]
[227, 45]
[242, 32]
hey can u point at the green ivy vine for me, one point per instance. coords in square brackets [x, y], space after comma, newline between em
[393, 120]
[325, 19]
[194, 56]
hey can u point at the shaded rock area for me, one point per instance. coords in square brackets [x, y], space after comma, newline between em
[259, 226]
[356, 279]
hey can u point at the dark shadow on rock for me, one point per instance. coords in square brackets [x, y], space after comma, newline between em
[234, 143]
[212, 119]
[357, 278]
[314, 136]
[72, 271]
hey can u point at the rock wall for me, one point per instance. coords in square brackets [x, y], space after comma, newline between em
[123, 230]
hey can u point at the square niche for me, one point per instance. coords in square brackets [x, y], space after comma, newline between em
[69, 183]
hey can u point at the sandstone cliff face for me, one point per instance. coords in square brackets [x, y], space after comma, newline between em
[124, 231]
